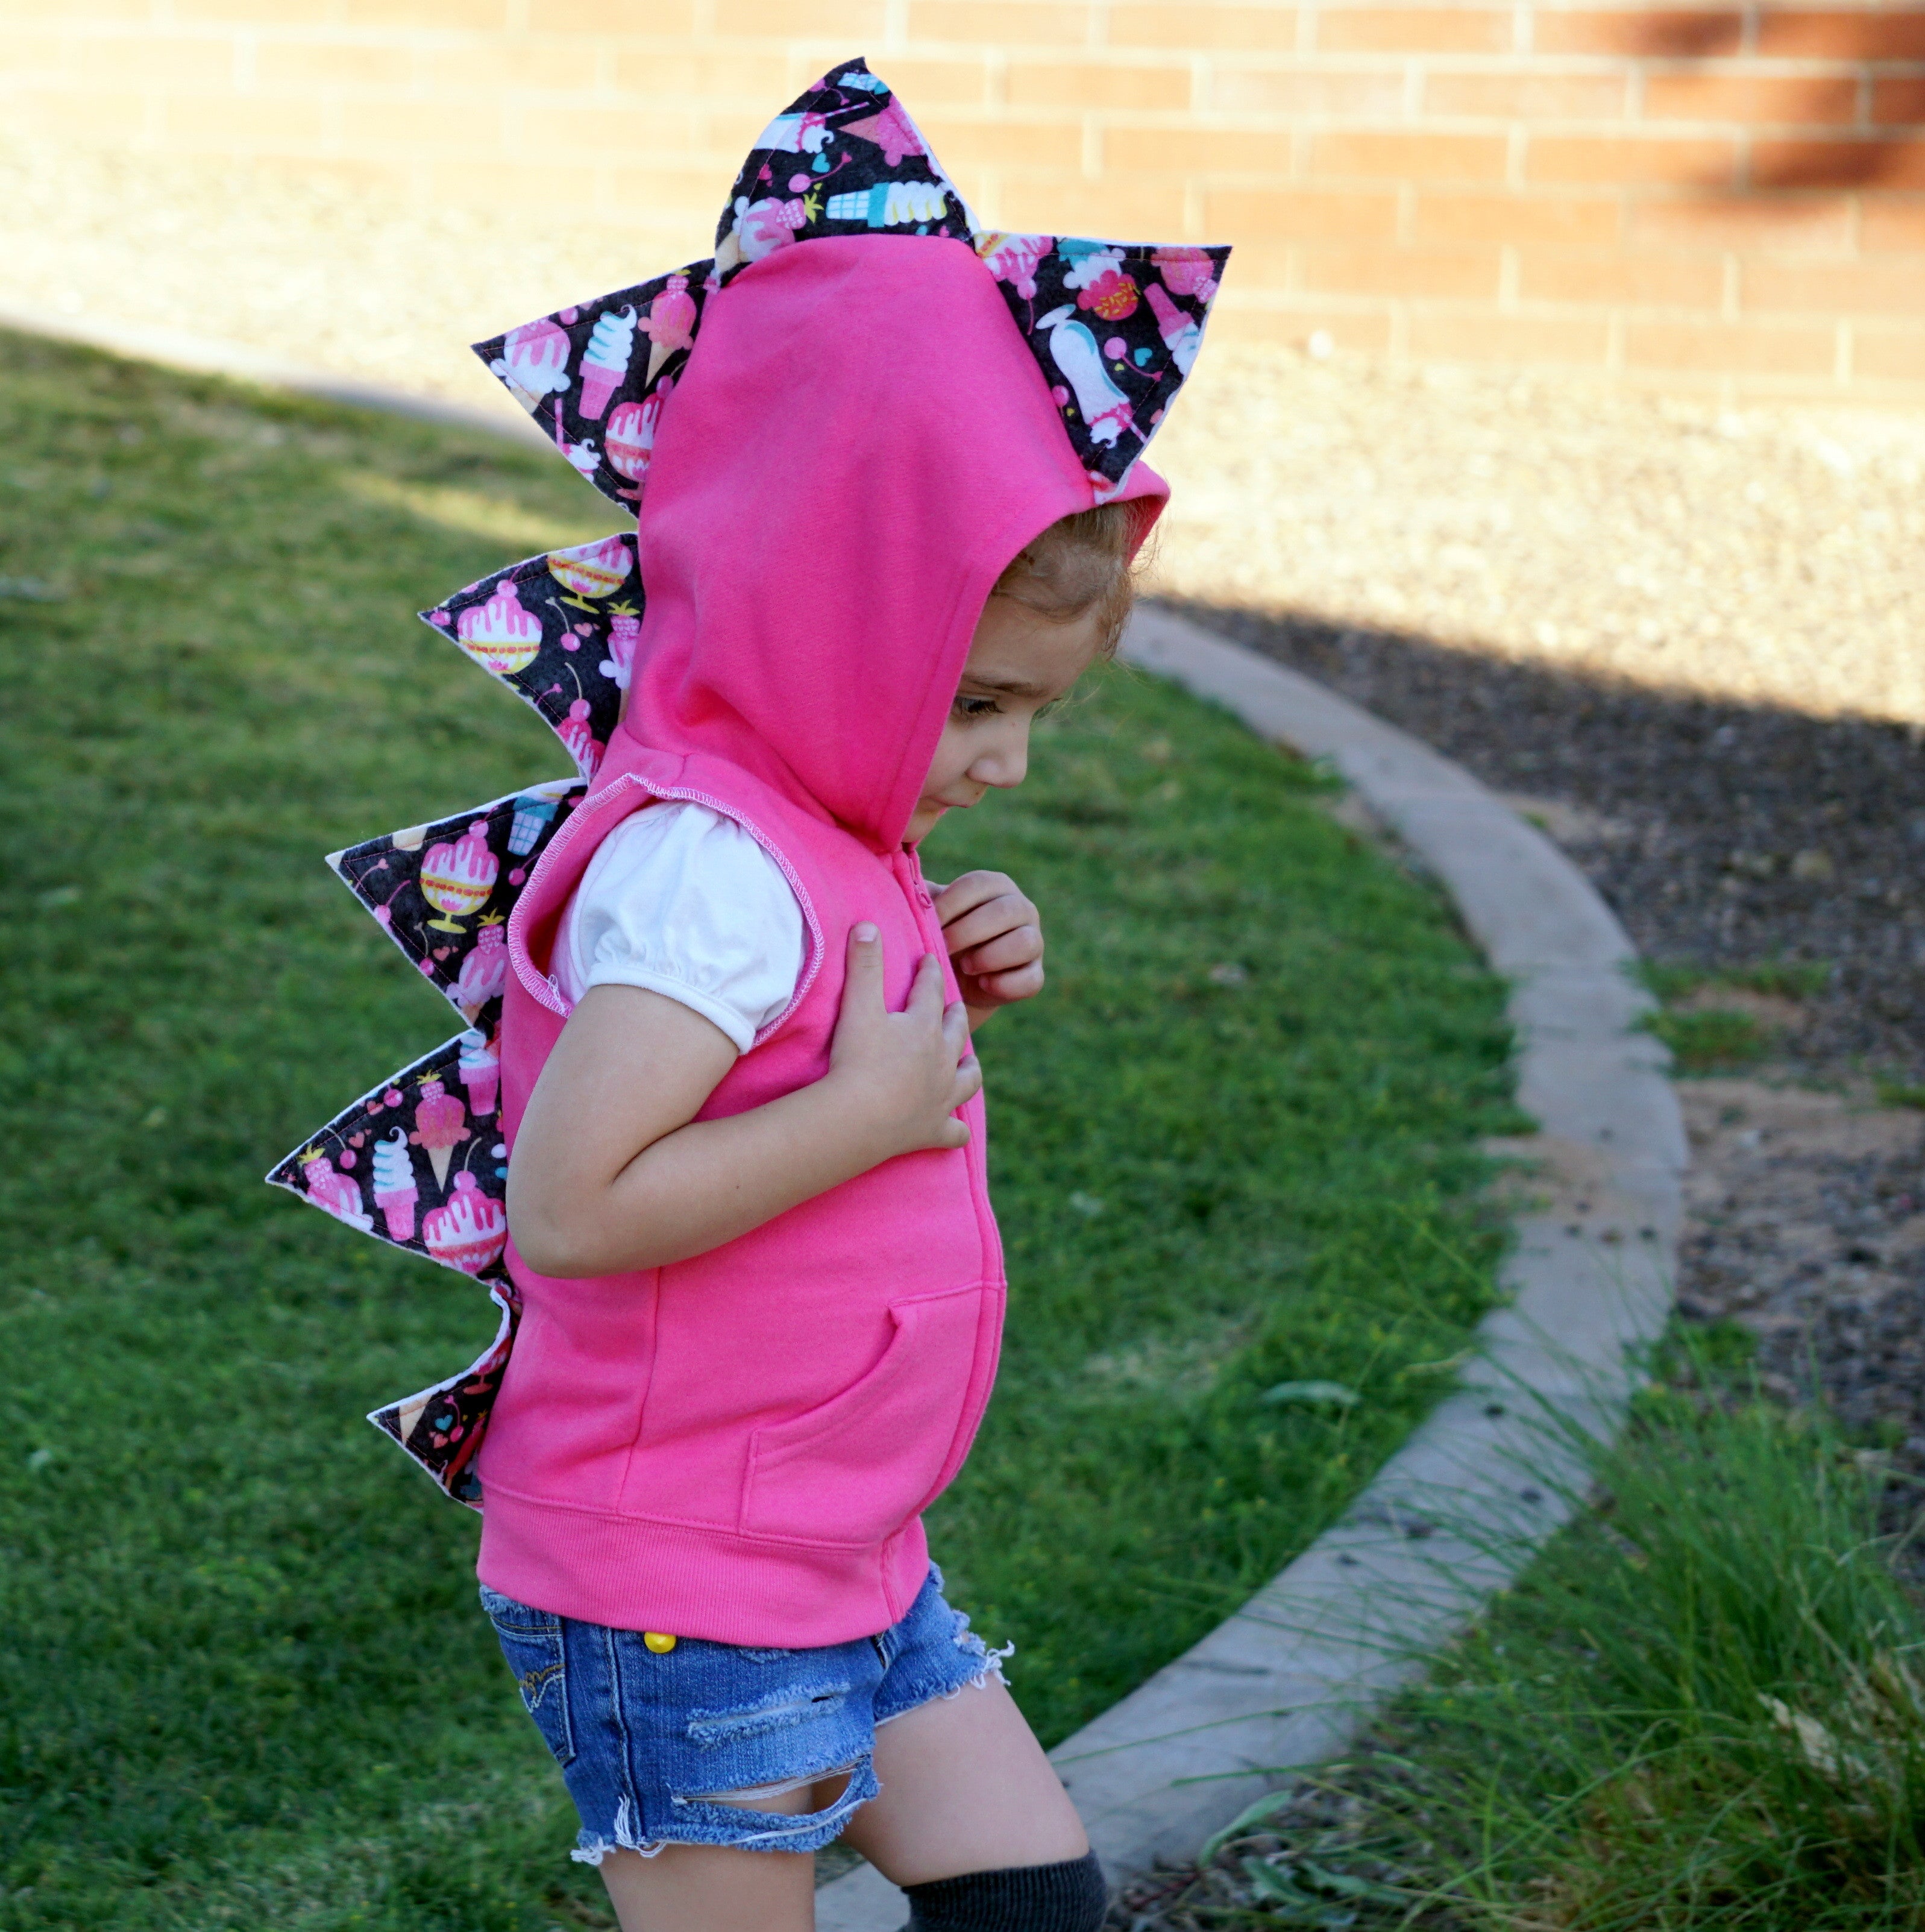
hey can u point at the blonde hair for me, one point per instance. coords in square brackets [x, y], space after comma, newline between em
[1080, 564]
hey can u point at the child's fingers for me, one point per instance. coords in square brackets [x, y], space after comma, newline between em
[1024, 983]
[1007, 912]
[1022, 946]
[968, 890]
[926, 990]
[955, 1030]
[862, 982]
[968, 1081]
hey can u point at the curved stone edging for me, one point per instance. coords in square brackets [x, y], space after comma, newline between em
[1461, 1507]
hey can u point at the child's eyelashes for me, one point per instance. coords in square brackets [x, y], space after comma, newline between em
[976, 707]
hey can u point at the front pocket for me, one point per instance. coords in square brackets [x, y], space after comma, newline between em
[531, 1640]
[853, 1470]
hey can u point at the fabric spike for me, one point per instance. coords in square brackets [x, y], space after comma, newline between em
[1115, 328]
[440, 1428]
[559, 631]
[442, 892]
[596, 376]
[418, 1162]
[844, 159]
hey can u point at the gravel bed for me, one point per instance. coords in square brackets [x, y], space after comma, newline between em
[1806, 1223]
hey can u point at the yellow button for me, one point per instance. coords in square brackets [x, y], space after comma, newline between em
[661, 1645]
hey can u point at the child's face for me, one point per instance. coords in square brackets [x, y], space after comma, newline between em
[1018, 662]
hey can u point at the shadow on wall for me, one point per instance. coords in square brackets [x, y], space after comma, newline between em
[1890, 153]
[1724, 835]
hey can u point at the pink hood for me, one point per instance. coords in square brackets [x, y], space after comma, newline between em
[861, 443]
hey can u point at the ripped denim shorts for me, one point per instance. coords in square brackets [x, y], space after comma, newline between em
[650, 1742]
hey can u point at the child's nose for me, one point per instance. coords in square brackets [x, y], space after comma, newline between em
[1006, 762]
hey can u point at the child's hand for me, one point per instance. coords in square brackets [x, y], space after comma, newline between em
[904, 1073]
[995, 937]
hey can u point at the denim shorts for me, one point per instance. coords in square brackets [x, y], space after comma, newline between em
[649, 1739]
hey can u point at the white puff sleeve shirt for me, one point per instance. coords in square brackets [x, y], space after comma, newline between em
[681, 900]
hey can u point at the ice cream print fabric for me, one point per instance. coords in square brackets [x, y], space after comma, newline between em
[420, 1161]
[1114, 327]
[559, 631]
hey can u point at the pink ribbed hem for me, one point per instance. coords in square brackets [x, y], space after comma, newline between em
[633, 1573]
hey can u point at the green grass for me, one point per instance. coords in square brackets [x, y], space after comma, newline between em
[1706, 1038]
[1702, 1710]
[244, 1683]
[1711, 1040]
[1784, 979]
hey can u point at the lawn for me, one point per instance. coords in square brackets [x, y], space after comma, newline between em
[245, 1684]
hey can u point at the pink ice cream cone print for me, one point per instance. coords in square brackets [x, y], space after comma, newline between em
[534, 362]
[1187, 271]
[1015, 259]
[592, 570]
[575, 732]
[395, 1193]
[485, 971]
[631, 440]
[455, 879]
[631, 434]
[605, 361]
[762, 226]
[469, 1231]
[440, 1125]
[335, 1192]
[892, 130]
[480, 1072]
[1181, 332]
[624, 631]
[670, 324]
[500, 635]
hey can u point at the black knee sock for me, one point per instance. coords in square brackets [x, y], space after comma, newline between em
[1068, 1898]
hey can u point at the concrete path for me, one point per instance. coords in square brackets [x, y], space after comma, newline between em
[1459, 1510]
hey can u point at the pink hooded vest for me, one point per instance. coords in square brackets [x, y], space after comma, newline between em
[864, 430]
[739, 1446]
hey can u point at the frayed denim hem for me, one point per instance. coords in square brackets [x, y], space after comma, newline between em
[591, 1848]
[736, 1827]
[991, 1672]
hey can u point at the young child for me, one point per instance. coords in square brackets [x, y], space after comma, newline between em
[890, 508]
[811, 1254]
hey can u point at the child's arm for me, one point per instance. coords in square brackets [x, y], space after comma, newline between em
[612, 1172]
[995, 940]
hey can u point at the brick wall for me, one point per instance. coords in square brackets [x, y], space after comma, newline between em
[1696, 193]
